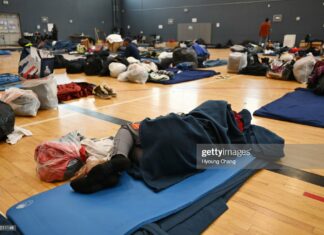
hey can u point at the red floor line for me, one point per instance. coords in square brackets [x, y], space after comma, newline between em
[313, 196]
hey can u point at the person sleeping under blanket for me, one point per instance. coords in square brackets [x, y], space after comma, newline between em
[162, 151]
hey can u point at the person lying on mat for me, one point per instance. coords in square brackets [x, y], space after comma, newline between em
[162, 151]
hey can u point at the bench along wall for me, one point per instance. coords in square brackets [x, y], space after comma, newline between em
[85, 15]
[238, 19]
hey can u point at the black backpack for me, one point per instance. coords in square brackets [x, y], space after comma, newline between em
[254, 66]
[93, 65]
[7, 120]
[181, 55]
[59, 62]
[287, 73]
[75, 66]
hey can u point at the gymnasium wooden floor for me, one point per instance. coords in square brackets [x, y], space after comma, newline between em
[269, 203]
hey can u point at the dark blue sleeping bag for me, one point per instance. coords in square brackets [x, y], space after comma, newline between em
[212, 122]
[301, 106]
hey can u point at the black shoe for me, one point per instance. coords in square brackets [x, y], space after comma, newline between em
[87, 185]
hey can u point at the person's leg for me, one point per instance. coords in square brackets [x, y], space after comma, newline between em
[107, 174]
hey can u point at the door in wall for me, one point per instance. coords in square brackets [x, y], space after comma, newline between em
[194, 31]
[10, 31]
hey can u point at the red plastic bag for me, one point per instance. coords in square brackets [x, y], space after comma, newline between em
[54, 158]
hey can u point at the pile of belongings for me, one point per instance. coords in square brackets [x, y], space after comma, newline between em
[61, 159]
[34, 95]
[288, 68]
[245, 60]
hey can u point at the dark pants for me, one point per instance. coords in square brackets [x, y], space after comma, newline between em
[127, 143]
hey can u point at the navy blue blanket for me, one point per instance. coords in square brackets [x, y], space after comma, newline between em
[212, 122]
[188, 75]
[301, 106]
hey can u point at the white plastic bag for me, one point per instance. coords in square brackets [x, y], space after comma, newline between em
[236, 62]
[45, 89]
[303, 68]
[137, 73]
[165, 55]
[23, 102]
[116, 68]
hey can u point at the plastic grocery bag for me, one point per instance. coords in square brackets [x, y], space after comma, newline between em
[23, 102]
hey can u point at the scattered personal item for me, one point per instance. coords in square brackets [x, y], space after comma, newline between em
[75, 66]
[136, 73]
[103, 91]
[17, 135]
[181, 55]
[45, 89]
[73, 90]
[236, 62]
[7, 120]
[254, 67]
[23, 102]
[60, 159]
[303, 68]
[116, 69]
[36, 63]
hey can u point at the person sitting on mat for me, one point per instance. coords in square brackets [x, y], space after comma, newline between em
[162, 151]
[131, 49]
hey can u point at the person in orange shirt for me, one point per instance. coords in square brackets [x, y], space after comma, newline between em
[264, 32]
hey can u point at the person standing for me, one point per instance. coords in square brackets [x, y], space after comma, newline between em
[264, 32]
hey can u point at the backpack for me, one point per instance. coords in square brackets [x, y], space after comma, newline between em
[75, 66]
[254, 66]
[93, 65]
[59, 62]
[181, 55]
[7, 120]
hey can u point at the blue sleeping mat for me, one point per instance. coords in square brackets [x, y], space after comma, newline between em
[301, 106]
[119, 210]
[187, 75]
[5, 52]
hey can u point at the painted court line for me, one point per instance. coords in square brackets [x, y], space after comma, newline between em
[297, 174]
[313, 196]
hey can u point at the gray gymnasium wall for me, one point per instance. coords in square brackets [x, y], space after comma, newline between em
[86, 15]
[239, 19]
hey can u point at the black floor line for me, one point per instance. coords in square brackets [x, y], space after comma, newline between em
[297, 174]
[95, 114]
[274, 167]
